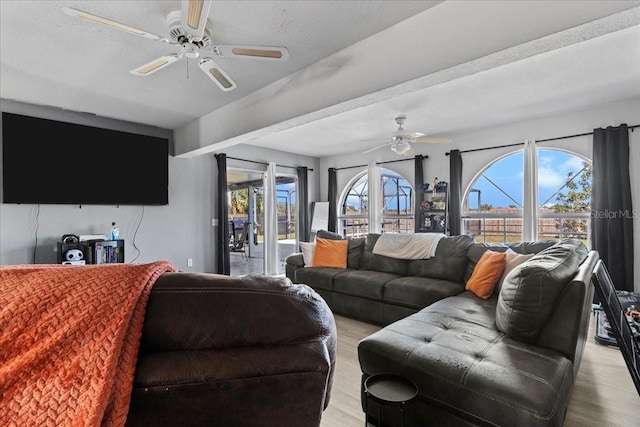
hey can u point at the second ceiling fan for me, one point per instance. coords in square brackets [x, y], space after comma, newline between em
[400, 140]
[190, 29]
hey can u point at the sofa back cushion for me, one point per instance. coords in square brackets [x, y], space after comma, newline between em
[371, 261]
[331, 235]
[449, 263]
[356, 248]
[530, 291]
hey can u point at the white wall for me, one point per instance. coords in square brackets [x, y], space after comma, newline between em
[437, 165]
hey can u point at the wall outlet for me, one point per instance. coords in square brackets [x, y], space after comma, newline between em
[189, 262]
[214, 222]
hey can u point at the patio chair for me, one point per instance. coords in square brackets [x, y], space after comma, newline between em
[238, 243]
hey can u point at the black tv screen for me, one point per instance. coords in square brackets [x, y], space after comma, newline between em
[51, 162]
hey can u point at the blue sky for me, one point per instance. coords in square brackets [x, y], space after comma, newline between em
[507, 174]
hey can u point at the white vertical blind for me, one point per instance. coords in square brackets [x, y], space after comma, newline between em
[271, 257]
[530, 202]
[374, 202]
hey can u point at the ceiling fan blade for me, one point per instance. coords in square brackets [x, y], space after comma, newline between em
[217, 74]
[433, 140]
[376, 148]
[155, 65]
[414, 135]
[380, 140]
[113, 24]
[194, 16]
[269, 53]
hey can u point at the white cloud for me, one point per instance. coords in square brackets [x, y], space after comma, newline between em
[553, 176]
[548, 177]
[572, 164]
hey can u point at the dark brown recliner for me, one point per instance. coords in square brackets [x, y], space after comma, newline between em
[233, 351]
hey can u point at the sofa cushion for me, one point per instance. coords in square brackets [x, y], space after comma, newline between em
[514, 259]
[449, 263]
[419, 292]
[354, 255]
[330, 253]
[318, 277]
[529, 292]
[363, 283]
[487, 273]
[385, 264]
[459, 360]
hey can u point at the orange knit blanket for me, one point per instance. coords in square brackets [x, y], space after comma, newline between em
[69, 338]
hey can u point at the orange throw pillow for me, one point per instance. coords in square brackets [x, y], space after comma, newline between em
[330, 253]
[487, 273]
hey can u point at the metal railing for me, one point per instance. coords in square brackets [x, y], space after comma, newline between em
[358, 225]
[507, 227]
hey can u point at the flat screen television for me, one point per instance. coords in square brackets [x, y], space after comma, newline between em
[51, 162]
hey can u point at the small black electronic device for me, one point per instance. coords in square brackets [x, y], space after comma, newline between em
[621, 322]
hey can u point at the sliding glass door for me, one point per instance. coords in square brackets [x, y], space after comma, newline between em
[246, 206]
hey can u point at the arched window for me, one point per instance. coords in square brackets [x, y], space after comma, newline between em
[493, 203]
[395, 203]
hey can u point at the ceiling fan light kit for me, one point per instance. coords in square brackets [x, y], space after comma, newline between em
[400, 147]
[190, 28]
[400, 140]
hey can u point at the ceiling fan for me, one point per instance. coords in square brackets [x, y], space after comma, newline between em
[400, 140]
[190, 29]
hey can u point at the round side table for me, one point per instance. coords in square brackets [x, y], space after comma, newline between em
[393, 391]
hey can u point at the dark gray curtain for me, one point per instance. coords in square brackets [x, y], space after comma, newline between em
[455, 192]
[333, 202]
[303, 204]
[222, 243]
[612, 212]
[419, 192]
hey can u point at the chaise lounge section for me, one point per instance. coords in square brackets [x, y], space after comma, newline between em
[509, 360]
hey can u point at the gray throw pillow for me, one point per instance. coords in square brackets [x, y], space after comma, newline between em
[324, 234]
[530, 291]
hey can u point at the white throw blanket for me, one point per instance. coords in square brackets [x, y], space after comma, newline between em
[408, 246]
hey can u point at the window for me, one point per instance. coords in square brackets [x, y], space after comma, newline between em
[493, 203]
[395, 202]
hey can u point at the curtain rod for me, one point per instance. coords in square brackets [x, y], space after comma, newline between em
[379, 163]
[264, 163]
[539, 140]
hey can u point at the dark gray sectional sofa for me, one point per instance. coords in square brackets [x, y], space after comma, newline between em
[509, 360]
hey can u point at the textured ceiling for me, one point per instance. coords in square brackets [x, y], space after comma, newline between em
[50, 58]
[353, 67]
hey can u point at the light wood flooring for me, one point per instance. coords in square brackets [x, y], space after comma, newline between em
[603, 395]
